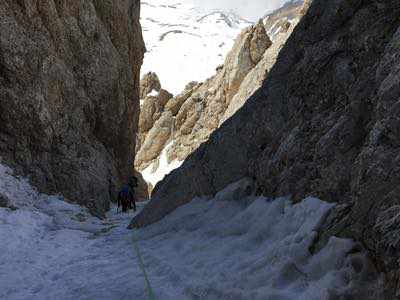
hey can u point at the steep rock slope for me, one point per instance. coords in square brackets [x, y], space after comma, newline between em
[69, 93]
[325, 123]
[176, 127]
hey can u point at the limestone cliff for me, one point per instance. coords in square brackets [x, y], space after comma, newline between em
[186, 121]
[325, 123]
[69, 94]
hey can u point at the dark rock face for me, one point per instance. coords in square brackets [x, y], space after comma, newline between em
[69, 93]
[325, 123]
[4, 202]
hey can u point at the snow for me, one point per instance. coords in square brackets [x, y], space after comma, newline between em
[254, 248]
[153, 93]
[275, 29]
[50, 249]
[156, 171]
[224, 250]
[184, 42]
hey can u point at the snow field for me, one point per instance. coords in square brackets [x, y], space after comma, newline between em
[219, 248]
[185, 43]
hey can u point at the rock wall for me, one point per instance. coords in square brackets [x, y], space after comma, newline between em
[186, 121]
[325, 123]
[69, 94]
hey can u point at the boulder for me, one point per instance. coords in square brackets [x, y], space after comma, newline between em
[149, 83]
[259, 42]
[4, 201]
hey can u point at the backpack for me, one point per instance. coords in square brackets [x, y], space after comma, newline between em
[125, 194]
[133, 182]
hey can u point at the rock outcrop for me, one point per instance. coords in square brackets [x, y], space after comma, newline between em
[155, 123]
[325, 123]
[148, 84]
[4, 202]
[69, 94]
[186, 121]
[280, 19]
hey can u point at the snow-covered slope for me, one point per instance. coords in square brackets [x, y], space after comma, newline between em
[185, 43]
[219, 249]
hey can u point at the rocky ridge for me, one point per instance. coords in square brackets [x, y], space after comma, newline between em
[186, 121]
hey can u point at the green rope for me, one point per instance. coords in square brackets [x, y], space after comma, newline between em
[150, 291]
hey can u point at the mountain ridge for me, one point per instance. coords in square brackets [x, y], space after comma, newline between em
[181, 37]
[170, 129]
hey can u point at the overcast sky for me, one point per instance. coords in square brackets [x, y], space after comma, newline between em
[250, 9]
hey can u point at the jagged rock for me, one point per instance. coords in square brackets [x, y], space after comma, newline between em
[69, 93]
[4, 202]
[152, 108]
[155, 140]
[254, 79]
[214, 101]
[202, 108]
[243, 57]
[325, 123]
[147, 117]
[175, 104]
[163, 97]
[259, 43]
[286, 26]
[149, 83]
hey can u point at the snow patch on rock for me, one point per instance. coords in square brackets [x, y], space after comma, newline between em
[157, 171]
[153, 93]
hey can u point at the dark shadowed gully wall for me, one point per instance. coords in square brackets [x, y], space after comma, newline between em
[325, 123]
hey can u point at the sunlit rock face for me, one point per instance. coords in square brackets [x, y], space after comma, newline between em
[187, 120]
[69, 94]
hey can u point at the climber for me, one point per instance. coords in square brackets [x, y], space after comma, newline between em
[126, 196]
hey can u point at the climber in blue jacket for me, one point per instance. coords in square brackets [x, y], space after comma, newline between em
[126, 196]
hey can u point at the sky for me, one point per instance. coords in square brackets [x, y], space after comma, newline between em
[249, 9]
